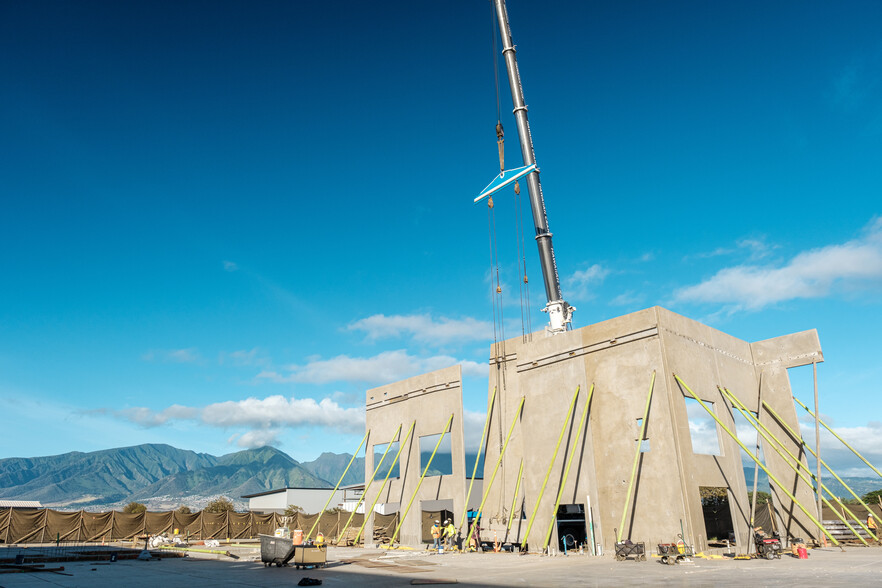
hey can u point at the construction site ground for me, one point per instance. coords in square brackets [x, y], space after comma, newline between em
[855, 566]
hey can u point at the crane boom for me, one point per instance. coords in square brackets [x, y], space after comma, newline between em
[560, 313]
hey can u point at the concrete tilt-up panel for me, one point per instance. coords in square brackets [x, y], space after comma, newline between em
[427, 400]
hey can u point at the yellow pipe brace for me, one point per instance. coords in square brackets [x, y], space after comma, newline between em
[773, 442]
[514, 500]
[496, 467]
[636, 457]
[754, 458]
[823, 486]
[465, 511]
[368, 513]
[340, 481]
[823, 463]
[371, 481]
[844, 442]
[420, 483]
[563, 482]
[563, 430]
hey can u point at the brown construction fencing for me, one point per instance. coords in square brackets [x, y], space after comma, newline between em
[48, 526]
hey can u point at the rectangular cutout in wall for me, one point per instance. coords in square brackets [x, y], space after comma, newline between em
[442, 463]
[746, 433]
[702, 428]
[387, 463]
[644, 443]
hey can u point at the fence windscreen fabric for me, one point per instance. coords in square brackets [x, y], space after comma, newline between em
[19, 525]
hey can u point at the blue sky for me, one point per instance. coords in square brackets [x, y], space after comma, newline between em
[222, 222]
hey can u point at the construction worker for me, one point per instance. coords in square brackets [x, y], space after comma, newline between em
[871, 523]
[450, 534]
[320, 539]
[436, 535]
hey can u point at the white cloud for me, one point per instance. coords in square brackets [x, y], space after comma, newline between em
[256, 439]
[257, 414]
[388, 366]
[275, 411]
[627, 299]
[756, 249]
[867, 439]
[580, 283]
[422, 327]
[189, 355]
[811, 274]
[149, 418]
[473, 426]
[243, 357]
[230, 266]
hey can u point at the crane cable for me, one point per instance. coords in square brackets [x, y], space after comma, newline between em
[498, 327]
[498, 319]
[523, 287]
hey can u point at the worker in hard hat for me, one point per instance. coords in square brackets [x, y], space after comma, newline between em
[320, 540]
[436, 535]
[450, 534]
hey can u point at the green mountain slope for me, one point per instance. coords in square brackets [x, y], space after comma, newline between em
[142, 472]
[101, 476]
[330, 466]
[236, 474]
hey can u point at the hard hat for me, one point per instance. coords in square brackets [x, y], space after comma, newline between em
[437, 521]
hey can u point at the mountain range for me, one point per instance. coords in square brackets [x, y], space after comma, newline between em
[163, 476]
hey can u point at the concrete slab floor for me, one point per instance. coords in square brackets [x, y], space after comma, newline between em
[359, 567]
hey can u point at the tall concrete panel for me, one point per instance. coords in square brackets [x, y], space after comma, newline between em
[428, 401]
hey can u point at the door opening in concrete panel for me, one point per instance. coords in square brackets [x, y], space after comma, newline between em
[703, 428]
[718, 525]
[571, 529]
[435, 510]
[387, 463]
[442, 463]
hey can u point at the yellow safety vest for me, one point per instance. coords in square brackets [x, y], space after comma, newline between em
[436, 532]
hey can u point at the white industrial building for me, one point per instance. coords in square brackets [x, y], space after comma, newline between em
[311, 500]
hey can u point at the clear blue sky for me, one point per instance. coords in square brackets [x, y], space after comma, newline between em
[221, 222]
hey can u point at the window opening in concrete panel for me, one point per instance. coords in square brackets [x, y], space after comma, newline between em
[703, 429]
[746, 433]
[442, 463]
[802, 387]
[644, 443]
[474, 428]
[717, 514]
[387, 463]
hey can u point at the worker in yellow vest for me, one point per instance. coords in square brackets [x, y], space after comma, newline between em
[436, 535]
[450, 534]
[320, 539]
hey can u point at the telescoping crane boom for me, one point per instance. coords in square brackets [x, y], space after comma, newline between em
[560, 313]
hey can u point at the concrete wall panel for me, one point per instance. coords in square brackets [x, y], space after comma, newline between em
[428, 400]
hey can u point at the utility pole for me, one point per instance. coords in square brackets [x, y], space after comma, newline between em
[560, 314]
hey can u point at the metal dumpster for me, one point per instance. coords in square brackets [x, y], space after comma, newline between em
[276, 550]
[310, 556]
